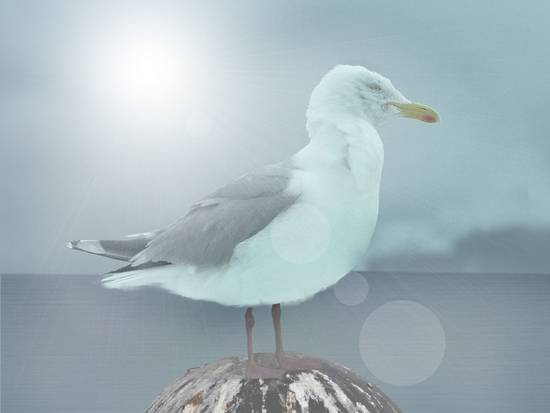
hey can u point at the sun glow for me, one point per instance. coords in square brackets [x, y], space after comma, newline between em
[143, 69]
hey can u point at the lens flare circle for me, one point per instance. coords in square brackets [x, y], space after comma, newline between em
[402, 343]
[352, 289]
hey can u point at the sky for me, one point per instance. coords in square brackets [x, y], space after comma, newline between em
[115, 118]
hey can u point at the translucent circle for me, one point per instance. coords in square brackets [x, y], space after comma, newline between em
[198, 125]
[402, 343]
[302, 236]
[352, 289]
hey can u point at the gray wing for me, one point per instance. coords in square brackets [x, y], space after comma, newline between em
[118, 249]
[208, 234]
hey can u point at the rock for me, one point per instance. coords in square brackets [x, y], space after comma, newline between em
[222, 386]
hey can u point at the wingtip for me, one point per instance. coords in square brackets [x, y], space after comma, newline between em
[72, 244]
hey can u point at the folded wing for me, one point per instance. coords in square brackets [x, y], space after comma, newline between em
[208, 234]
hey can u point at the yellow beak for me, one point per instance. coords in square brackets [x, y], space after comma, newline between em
[417, 111]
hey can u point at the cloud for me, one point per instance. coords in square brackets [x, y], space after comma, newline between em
[503, 250]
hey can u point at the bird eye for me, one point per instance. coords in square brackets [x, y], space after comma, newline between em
[375, 86]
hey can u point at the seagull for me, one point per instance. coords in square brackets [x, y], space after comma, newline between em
[281, 234]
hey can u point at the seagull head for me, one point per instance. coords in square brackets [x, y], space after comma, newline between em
[354, 91]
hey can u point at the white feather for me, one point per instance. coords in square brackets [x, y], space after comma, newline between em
[321, 237]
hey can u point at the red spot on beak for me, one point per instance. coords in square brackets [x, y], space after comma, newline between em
[428, 118]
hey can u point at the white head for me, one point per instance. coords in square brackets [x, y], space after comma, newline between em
[354, 91]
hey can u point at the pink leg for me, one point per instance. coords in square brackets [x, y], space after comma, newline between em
[253, 370]
[286, 361]
[276, 315]
[249, 324]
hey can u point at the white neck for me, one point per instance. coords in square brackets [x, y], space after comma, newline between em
[344, 143]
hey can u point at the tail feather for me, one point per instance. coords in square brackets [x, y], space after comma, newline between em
[131, 277]
[123, 249]
[145, 266]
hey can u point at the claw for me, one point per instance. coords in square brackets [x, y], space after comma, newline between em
[288, 362]
[255, 371]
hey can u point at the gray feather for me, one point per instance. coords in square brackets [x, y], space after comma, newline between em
[214, 226]
[120, 249]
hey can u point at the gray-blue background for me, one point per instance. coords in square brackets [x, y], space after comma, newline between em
[467, 195]
[75, 165]
[71, 346]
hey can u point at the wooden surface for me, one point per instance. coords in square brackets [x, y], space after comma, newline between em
[222, 386]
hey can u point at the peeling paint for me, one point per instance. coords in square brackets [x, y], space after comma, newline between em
[221, 387]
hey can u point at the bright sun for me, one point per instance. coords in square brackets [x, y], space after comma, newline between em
[143, 71]
[140, 68]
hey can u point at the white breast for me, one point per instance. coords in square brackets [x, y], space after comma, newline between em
[319, 239]
[311, 245]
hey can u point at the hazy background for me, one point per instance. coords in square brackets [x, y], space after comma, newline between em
[86, 153]
[71, 346]
[83, 157]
